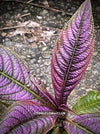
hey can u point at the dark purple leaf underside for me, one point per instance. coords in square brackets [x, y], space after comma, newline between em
[15, 83]
[24, 118]
[72, 52]
[43, 92]
[84, 124]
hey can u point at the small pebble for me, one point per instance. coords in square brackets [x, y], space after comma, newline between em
[3, 34]
[39, 17]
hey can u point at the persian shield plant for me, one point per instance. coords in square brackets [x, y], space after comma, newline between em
[35, 110]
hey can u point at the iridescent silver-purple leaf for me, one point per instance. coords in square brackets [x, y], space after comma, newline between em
[27, 117]
[13, 77]
[15, 83]
[84, 124]
[72, 52]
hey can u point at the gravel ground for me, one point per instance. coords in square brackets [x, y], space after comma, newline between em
[36, 48]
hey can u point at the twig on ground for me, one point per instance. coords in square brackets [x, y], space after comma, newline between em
[41, 6]
[29, 1]
[24, 15]
[12, 27]
[21, 26]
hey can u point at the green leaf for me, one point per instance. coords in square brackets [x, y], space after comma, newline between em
[89, 103]
[57, 130]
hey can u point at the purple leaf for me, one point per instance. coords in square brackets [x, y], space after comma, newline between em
[15, 83]
[13, 77]
[84, 124]
[27, 117]
[72, 52]
[43, 92]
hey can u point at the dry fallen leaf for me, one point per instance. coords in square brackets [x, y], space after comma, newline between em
[36, 32]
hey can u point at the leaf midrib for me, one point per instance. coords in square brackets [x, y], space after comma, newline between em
[70, 64]
[27, 89]
[79, 126]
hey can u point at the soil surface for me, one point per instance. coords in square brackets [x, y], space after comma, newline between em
[31, 31]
